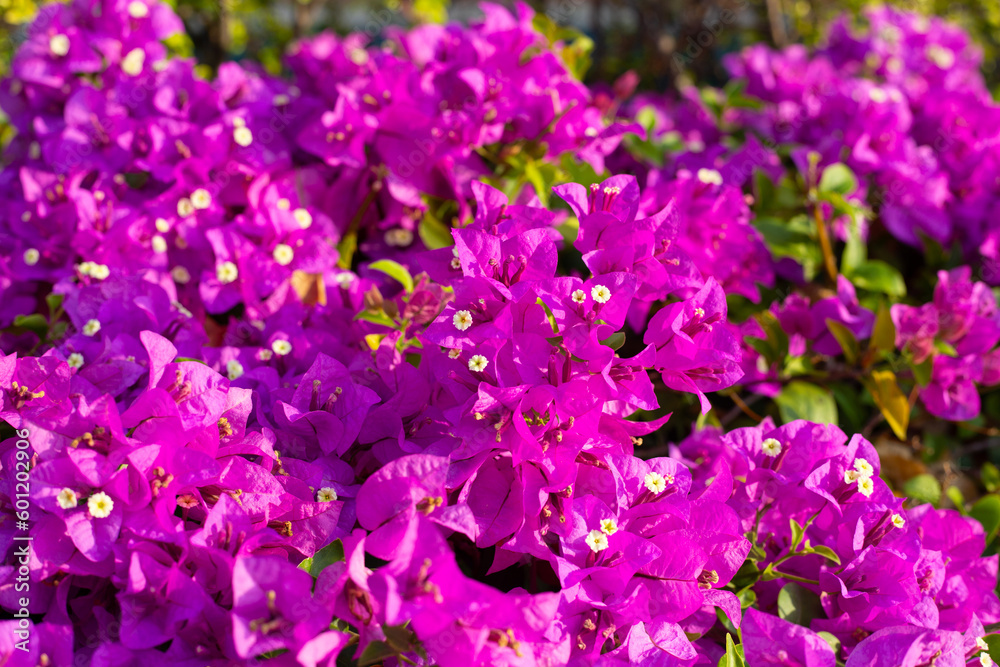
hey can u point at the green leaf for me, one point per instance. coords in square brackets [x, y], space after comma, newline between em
[35, 323]
[615, 340]
[956, 498]
[878, 276]
[993, 641]
[831, 640]
[798, 532]
[844, 336]
[803, 400]
[396, 271]
[733, 656]
[884, 332]
[376, 317]
[799, 605]
[838, 178]
[891, 400]
[924, 489]
[824, 551]
[326, 556]
[922, 371]
[375, 653]
[987, 512]
[990, 476]
[54, 302]
[434, 233]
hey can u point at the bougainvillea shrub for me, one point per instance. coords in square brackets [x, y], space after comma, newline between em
[427, 354]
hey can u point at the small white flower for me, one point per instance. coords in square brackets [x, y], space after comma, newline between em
[941, 56]
[597, 541]
[710, 176]
[478, 363]
[159, 244]
[898, 521]
[234, 369]
[877, 95]
[985, 660]
[344, 279]
[700, 312]
[655, 482]
[302, 216]
[771, 447]
[864, 468]
[399, 237]
[100, 505]
[851, 476]
[462, 320]
[578, 296]
[456, 263]
[75, 360]
[600, 293]
[283, 254]
[180, 275]
[227, 272]
[866, 487]
[91, 328]
[201, 199]
[609, 526]
[67, 499]
[283, 204]
[100, 271]
[265, 355]
[281, 347]
[59, 45]
[243, 136]
[137, 9]
[280, 100]
[184, 207]
[31, 256]
[162, 225]
[326, 495]
[133, 61]
[454, 353]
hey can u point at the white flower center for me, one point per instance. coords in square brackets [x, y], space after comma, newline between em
[710, 176]
[67, 499]
[283, 204]
[578, 296]
[91, 328]
[100, 505]
[227, 272]
[326, 495]
[159, 244]
[478, 363]
[609, 526]
[302, 216]
[75, 360]
[864, 468]
[399, 238]
[59, 45]
[162, 225]
[180, 275]
[655, 482]
[201, 199]
[283, 254]
[133, 61]
[462, 320]
[281, 347]
[234, 369]
[243, 136]
[898, 521]
[31, 256]
[771, 447]
[137, 10]
[454, 353]
[600, 293]
[597, 541]
[866, 486]
[184, 207]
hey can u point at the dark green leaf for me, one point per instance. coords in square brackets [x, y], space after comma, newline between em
[35, 323]
[799, 605]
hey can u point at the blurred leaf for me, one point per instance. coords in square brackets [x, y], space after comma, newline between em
[956, 498]
[434, 233]
[34, 323]
[838, 178]
[803, 400]
[924, 489]
[326, 556]
[891, 401]
[396, 271]
[922, 371]
[878, 276]
[798, 604]
[987, 512]
[990, 476]
[844, 336]
[831, 640]
[884, 332]
[430, 11]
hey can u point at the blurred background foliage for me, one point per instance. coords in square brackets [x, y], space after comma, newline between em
[648, 36]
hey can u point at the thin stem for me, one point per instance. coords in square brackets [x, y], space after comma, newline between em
[824, 243]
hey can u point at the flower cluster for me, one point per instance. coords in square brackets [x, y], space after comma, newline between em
[299, 387]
